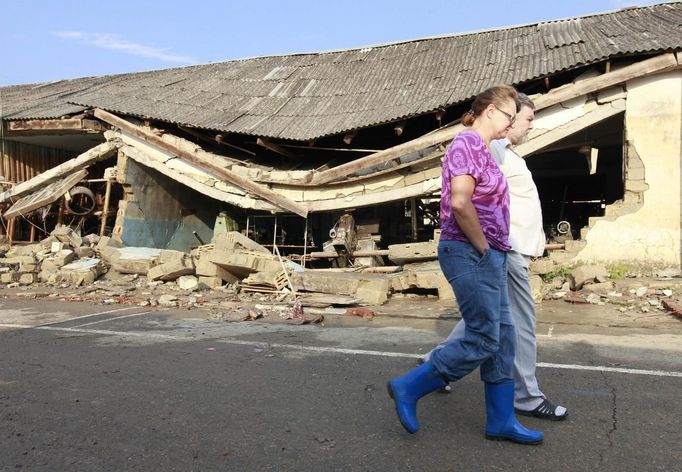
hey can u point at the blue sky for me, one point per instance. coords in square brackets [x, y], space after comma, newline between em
[45, 40]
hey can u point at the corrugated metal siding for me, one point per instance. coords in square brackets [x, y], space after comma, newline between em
[20, 162]
[313, 95]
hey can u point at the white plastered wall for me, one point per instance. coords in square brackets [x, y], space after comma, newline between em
[651, 235]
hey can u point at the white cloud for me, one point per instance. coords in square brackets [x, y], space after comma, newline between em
[113, 42]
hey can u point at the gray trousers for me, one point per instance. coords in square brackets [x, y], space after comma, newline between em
[527, 394]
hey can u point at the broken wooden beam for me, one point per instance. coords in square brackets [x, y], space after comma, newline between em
[330, 254]
[567, 92]
[231, 177]
[96, 154]
[656, 64]
[274, 148]
[600, 113]
[53, 126]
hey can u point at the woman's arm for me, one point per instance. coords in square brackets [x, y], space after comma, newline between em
[461, 189]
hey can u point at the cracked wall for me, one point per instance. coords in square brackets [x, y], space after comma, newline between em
[649, 236]
[159, 212]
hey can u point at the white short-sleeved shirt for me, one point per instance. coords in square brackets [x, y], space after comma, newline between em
[526, 235]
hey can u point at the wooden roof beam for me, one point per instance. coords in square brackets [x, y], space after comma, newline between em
[652, 65]
[275, 148]
[53, 126]
[248, 185]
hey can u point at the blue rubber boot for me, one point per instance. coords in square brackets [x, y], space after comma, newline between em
[501, 422]
[409, 388]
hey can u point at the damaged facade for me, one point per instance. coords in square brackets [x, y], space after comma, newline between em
[333, 160]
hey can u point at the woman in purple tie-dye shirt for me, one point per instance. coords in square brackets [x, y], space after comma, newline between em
[474, 220]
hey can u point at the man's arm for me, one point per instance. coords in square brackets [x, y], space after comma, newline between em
[462, 188]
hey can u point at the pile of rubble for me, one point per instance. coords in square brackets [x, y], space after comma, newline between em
[598, 285]
[234, 269]
[62, 258]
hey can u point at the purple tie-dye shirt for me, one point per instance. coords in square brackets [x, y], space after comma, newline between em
[468, 155]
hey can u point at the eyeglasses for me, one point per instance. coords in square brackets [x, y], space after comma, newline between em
[511, 118]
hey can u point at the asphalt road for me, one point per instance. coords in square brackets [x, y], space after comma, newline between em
[139, 390]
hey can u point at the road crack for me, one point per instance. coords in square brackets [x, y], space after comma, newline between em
[614, 418]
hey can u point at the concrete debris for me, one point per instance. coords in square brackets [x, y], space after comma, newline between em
[171, 266]
[168, 300]
[67, 235]
[542, 266]
[211, 283]
[586, 274]
[236, 270]
[187, 282]
[402, 254]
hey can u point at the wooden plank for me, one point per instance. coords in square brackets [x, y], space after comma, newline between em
[96, 154]
[585, 86]
[105, 210]
[386, 155]
[53, 126]
[274, 147]
[241, 182]
[601, 113]
[45, 195]
[648, 66]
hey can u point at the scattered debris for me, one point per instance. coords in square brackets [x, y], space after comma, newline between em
[362, 312]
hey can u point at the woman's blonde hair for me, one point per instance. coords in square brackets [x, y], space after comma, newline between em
[496, 95]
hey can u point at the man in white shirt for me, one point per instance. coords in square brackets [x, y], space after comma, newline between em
[527, 240]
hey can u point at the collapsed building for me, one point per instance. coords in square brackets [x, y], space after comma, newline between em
[333, 159]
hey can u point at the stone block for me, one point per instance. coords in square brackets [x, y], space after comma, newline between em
[205, 268]
[401, 282]
[171, 270]
[241, 264]
[325, 282]
[187, 282]
[234, 241]
[64, 257]
[401, 254]
[27, 279]
[168, 256]
[210, 282]
[82, 272]
[542, 266]
[373, 292]
[600, 287]
[586, 274]
[27, 250]
[84, 251]
[56, 246]
[445, 291]
[46, 243]
[8, 277]
[131, 260]
[67, 235]
[48, 266]
[28, 268]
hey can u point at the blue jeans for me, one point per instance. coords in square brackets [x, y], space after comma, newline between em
[480, 285]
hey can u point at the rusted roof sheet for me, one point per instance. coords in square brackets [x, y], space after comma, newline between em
[307, 96]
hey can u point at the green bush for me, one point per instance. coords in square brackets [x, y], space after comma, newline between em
[618, 271]
[562, 272]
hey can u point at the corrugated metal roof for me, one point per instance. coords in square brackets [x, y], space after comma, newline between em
[308, 96]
